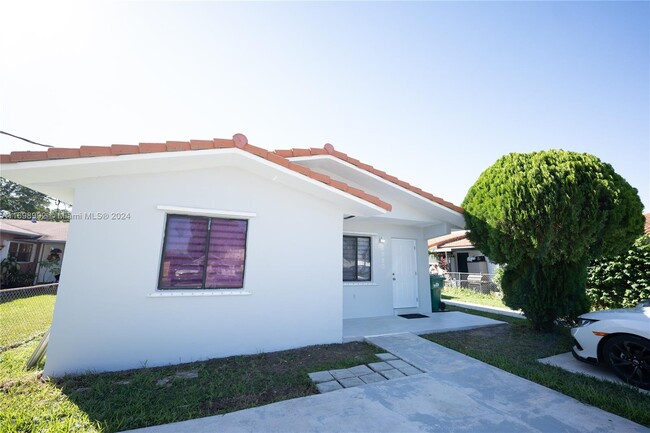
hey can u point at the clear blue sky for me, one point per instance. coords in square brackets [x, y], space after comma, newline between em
[432, 92]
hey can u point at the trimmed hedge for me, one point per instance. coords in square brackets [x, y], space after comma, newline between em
[622, 281]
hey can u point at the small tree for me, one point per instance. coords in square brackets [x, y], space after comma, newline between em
[545, 215]
[16, 198]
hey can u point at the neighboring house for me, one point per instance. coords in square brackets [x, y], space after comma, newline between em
[646, 227]
[460, 254]
[31, 243]
[182, 251]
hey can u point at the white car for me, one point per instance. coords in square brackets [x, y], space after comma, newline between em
[619, 339]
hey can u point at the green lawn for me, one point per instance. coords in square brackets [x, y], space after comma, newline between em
[517, 347]
[110, 402]
[471, 296]
[22, 319]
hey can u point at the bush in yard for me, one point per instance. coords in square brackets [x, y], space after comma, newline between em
[622, 281]
[11, 276]
[547, 215]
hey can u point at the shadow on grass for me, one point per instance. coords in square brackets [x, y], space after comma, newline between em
[153, 396]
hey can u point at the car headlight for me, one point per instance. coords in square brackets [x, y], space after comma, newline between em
[584, 322]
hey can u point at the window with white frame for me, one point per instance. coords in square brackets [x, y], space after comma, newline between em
[357, 258]
[22, 251]
[203, 253]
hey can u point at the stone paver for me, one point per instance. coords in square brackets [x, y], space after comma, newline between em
[342, 373]
[351, 381]
[410, 370]
[360, 370]
[386, 356]
[399, 364]
[380, 366]
[391, 368]
[328, 386]
[393, 373]
[321, 376]
[373, 378]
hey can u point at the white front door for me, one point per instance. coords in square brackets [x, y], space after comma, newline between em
[405, 273]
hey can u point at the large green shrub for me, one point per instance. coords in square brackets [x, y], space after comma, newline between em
[546, 215]
[622, 281]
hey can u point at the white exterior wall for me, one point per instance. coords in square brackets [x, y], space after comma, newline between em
[107, 319]
[376, 298]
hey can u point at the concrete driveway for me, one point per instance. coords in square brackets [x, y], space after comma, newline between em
[455, 394]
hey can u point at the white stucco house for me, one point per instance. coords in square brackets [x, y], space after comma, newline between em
[183, 251]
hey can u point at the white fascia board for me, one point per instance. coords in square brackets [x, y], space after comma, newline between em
[298, 159]
[44, 175]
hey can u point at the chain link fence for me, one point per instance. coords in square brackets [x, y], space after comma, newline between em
[25, 313]
[481, 283]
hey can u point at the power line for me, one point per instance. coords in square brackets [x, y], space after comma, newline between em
[24, 139]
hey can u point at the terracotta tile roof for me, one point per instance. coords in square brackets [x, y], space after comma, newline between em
[646, 227]
[328, 149]
[238, 141]
[442, 241]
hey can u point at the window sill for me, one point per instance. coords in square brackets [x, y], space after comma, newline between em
[196, 293]
[352, 283]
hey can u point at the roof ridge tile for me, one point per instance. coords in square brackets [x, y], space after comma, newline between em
[201, 144]
[283, 153]
[87, 151]
[62, 152]
[222, 143]
[124, 149]
[152, 147]
[28, 155]
[177, 146]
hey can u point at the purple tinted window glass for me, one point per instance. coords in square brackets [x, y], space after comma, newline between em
[183, 263]
[226, 254]
[201, 252]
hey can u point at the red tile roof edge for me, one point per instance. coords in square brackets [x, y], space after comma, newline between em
[238, 141]
[446, 239]
[329, 150]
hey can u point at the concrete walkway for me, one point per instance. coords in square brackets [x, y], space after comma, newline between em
[486, 308]
[456, 394]
[359, 329]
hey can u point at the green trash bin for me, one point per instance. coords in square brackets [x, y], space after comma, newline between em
[436, 283]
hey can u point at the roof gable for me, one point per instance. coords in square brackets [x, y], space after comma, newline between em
[328, 149]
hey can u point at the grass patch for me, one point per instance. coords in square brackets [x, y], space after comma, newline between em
[24, 318]
[110, 402]
[471, 296]
[516, 348]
